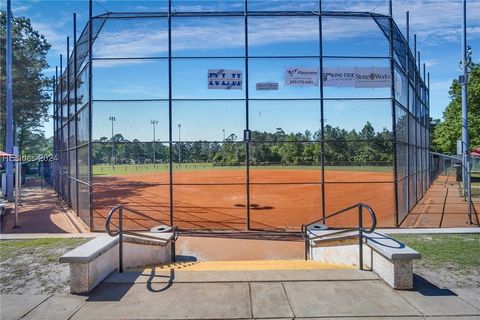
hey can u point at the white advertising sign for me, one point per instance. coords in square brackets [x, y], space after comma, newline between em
[267, 86]
[373, 77]
[301, 77]
[358, 77]
[339, 77]
[224, 79]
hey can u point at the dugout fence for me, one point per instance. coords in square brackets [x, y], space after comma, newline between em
[239, 115]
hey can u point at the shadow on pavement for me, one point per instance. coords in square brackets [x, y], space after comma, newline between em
[109, 292]
[426, 288]
[165, 287]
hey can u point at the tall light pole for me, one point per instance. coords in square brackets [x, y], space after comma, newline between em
[9, 111]
[112, 119]
[223, 130]
[179, 140]
[154, 122]
[466, 61]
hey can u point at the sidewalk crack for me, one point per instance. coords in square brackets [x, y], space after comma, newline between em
[250, 300]
[288, 300]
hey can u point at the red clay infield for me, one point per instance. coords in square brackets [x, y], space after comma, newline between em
[280, 199]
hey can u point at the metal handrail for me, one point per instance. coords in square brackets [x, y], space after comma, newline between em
[120, 232]
[306, 237]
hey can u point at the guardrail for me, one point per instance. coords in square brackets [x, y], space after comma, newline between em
[307, 237]
[121, 232]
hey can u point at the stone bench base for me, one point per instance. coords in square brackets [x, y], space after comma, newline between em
[390, 259]
[92, 262]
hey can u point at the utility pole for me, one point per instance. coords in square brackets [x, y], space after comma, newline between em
[112, 119]
[466, 61]
[154, 122]
[9, 111]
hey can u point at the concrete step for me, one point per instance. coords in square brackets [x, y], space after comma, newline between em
[248, 265]
[155, 275]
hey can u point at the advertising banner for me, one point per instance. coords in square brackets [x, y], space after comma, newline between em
[357, 77]
[373, 77]
[339, 77]
[301, 77]
[267, 86]
[224, 79]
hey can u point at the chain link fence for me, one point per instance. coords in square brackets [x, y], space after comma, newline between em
[136, 122]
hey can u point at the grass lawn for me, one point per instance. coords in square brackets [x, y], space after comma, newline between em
[449, 259]
[144, 168]
[31, 266]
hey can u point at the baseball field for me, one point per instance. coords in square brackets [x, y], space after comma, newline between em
[215, 198]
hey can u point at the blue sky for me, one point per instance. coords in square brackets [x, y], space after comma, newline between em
[437, 24]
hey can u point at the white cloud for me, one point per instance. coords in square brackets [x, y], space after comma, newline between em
[438, 21]
[434, 21]
[148, 39]
[49, 71]
[431, 62]
[55, 33]
[16, 10]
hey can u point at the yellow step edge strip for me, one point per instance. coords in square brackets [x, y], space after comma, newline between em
[246, 265]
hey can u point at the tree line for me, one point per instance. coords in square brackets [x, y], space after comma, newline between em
[447, 131]
[341, 146]
[31, 97]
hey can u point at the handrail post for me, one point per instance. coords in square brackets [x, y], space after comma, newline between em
[120, 240]
[360, 237]
[307, 249]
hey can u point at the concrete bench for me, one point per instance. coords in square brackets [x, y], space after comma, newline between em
[95, 260]
[387, 257]
[392, 260]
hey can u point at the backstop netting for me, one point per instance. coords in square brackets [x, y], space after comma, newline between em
[259, 115]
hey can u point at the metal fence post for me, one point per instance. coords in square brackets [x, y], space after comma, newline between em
[394, 117]
[322, 111]
[360, 238]
[170, 133]
[247, 126]
[120, 240]
[90, 116]
[75, 117]
[62, 149]
[67, 154]
[408, 106]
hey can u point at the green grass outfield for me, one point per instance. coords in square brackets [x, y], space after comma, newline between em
[121, 169]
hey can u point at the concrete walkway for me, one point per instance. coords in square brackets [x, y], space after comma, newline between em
[280, 294]
[42, 212]
[442, 207]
